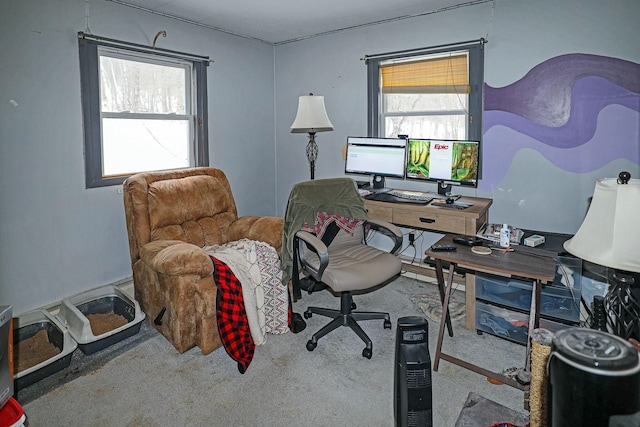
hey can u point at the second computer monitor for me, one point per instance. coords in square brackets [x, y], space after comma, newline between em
[447, 162]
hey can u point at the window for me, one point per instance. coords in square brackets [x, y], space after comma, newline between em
[143, 110]
[427, 93]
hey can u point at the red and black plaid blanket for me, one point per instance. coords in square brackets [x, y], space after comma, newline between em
[233, 325]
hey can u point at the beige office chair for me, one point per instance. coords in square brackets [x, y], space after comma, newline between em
[332, 251]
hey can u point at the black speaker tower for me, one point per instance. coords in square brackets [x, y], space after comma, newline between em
[412, 395]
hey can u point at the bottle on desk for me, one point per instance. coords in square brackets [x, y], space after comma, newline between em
[504, 236]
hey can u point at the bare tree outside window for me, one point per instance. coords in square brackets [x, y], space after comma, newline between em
[145, 110]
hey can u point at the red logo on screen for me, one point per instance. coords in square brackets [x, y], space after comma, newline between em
[440, 147]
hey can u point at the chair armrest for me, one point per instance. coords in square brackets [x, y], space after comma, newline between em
[390, 230]
[176, 258]
[318, 247]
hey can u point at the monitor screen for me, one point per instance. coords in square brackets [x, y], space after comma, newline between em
[446, 161]
[376, 156]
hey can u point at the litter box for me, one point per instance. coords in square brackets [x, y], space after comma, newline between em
[105, 300]
[26, 326]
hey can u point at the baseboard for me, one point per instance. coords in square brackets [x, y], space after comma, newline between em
[125, 285]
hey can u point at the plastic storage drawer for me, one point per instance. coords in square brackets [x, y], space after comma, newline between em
[508, 324]
[556, 299]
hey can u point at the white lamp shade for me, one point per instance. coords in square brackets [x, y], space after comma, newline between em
[610, 233]
[312, 116]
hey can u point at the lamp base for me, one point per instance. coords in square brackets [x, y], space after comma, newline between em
[312, 153]
[622, 307]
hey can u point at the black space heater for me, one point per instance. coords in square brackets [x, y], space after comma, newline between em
[593, 380]
[412, 396]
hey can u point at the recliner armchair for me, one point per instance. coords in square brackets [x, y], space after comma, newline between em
[171, 216]
[333, 252]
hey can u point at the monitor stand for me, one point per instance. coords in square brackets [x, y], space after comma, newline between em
[444, 192]
[378, 185]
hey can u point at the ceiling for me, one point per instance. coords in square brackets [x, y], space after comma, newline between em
[284, 21]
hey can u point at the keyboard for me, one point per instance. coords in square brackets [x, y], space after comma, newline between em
[411, 195]
[390, 198]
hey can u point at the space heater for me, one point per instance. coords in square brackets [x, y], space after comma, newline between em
[412, 376]
[593, 380]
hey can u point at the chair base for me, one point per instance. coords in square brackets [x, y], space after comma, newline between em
[345, 317]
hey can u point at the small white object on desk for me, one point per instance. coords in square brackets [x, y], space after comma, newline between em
[534, 240]
[481, 250]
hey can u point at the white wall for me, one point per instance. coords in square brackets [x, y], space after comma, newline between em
[56, 237]
[534, 193]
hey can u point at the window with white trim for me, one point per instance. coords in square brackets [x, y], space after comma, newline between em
[143, 111]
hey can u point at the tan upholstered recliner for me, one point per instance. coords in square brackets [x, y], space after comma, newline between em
[170, 216]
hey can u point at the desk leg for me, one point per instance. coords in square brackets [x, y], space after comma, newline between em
[534, 318]
[441, 290]
[445, 319]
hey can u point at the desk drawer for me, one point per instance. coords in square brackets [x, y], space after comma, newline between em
[430, 219]
[508, 324]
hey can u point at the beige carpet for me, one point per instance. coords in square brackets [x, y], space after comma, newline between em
[152, 385]
[431, 306]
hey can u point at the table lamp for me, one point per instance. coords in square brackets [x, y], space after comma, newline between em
[311, 118]
[610, 236]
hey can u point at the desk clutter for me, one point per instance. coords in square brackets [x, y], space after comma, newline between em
[492, 233]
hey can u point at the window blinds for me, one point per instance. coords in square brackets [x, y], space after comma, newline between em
[448, 74]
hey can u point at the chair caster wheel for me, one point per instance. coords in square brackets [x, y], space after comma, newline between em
[353, 306]
[307, 314]
[387, 324]
[478, 332]
[365, 353]
[311, 345]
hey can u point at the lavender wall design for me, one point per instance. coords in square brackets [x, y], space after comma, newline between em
[579, 111]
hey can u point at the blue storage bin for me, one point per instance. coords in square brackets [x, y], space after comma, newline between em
[557, 300]
[508, 324]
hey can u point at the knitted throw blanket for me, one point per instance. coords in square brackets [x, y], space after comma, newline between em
[251, 293]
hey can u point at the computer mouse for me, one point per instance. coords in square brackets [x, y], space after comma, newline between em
[450, 200]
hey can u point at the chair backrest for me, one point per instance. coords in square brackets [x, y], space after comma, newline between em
[332, 195]
[192, 205]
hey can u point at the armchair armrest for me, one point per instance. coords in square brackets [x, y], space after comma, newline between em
[315, 245]
[266, 229]
[390, 230]
[176, 258]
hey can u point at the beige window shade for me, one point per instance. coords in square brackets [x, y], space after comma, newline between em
[438, 75]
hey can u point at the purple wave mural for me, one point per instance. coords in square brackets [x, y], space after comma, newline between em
[566, 103]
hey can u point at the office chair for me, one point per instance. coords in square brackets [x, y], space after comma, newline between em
[327, 225]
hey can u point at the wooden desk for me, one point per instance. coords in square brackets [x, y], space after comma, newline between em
[530, 263]
[434, 218]
[443, 220]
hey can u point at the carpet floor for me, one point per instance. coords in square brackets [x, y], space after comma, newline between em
[147, 383]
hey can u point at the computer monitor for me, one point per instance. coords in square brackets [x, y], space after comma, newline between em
[447, 162]
[377, 157]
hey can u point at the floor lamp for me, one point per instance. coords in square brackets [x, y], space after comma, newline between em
[311, 118]
[610, 236]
